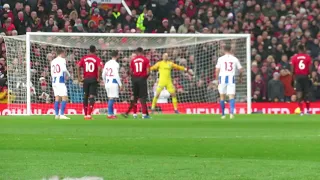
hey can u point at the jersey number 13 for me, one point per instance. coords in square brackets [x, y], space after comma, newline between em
[228, 66]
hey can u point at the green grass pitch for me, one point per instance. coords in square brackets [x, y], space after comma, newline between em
[166, 147]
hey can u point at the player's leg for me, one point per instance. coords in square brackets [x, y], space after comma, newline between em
[85, 97]
[307, 94]
[56, 101]
[134, 97]
[299, 92]
[172, 91]
[222, 91]
[143, 94]
[56, 107]
[134, 108]
[93, 88]
[113, 93]
[155, 98]
[231, 91]
[64, 95]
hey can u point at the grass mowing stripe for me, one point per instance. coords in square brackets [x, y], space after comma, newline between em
[165, 147]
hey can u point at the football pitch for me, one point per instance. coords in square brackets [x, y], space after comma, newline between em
[166, 147]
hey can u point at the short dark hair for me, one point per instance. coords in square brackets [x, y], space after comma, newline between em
[227, 48]
[139, 50]
[114, 53]
[93, 49]
[60, 51]
[301, 47]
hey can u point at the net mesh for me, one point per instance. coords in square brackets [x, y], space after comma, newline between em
[198, 53]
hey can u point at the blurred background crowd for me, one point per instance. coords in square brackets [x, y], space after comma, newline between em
[276, 28]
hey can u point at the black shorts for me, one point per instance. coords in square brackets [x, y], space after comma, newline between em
[90, 86]
[139, 87]
[303, 84]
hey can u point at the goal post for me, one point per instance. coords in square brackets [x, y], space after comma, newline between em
[198, 94]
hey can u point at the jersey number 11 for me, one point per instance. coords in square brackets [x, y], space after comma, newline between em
[138, 66]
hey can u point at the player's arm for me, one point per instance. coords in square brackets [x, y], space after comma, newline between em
[310, 67]
[218, 66]
[104, 73]
[239, 67]
[217, 73]
[154, 67]
[65, 70]
[292, 65]
[118, 76]
[148, 68]
[79, 65]
[181, 68]
[100, 65]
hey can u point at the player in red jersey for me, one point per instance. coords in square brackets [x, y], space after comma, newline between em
[92, 67]
[301, 65]
[139, 69]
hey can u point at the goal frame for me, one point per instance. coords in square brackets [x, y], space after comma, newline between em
[28, 53]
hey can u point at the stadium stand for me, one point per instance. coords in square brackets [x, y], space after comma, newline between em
[276, 26]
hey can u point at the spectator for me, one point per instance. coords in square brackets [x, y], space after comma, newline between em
[5, 93]
[315, 66]
[212, 92]
[185, 26]
[92, 27]
[150, 22]
[258, 89]
[176, 18]
[284, 63]
[276, 29]
[287, 79]
[21, 23]
[49, 25]
[128, 21]
[164, 28]
[315, 79]
[7, 11]
[275, 89]
[140, 20]
[3, 68]
[269, 11]
[9, 26]
[191, 10]
[69, 8]
[60, 19]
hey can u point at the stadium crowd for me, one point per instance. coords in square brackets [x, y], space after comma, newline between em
[276, 27]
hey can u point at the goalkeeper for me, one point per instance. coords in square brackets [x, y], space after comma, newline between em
[164, 67]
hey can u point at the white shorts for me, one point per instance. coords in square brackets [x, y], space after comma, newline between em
[228, 89]
[60, 90]
[112, 90]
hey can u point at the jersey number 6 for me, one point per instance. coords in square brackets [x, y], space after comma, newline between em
[301, 65]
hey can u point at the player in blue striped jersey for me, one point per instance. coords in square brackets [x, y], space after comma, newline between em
[226, 70]
[58, 74]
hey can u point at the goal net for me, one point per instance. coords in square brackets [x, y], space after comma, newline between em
[29, 81]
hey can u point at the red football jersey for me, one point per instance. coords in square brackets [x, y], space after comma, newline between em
[139, 66]
[301, 64]
[90, 64]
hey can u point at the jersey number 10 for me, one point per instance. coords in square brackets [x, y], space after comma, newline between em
[138, 66]
[89, 67]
